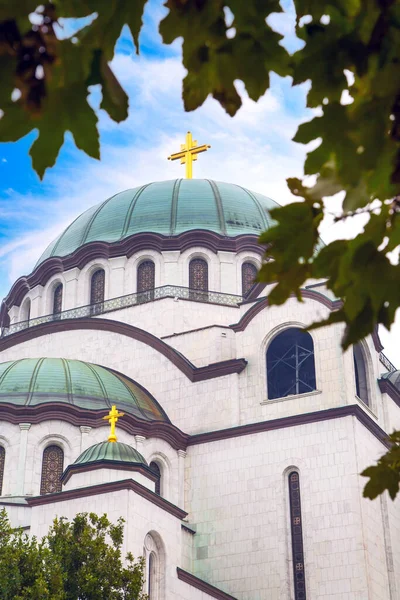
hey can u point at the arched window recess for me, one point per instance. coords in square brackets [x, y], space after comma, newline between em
[146, 281]
[249, 273]
[2, 461]
[52, 468]
[57, 300]
[290, 364]
[97, 284]
[198, 280]
[157, 472]
[361, 374]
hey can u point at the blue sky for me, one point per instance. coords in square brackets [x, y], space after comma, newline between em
[253, 149]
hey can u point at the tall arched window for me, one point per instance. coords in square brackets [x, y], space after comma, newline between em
[57, 299]
[97, 291]
[2, 461]
[290, 364]
[198, 279]
[26, 310]
[146, 280]
[296, 527]
[52, 468]
[152, 576]
[249, 272]
[157, 471]
[360, 374]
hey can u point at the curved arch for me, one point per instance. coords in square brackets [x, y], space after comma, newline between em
[145, 279]
[361, 373]
[52, 468]
[154, 547]
[261, 304]
[290, 363]
[58, 292]
[164, 465]
[248, 272]
[155, 467]
[226, 367]
[25, 310]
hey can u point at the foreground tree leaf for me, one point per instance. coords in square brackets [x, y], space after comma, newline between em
[385, 475]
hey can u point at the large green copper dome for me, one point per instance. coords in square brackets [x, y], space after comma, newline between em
[168, 208]
[33, 381]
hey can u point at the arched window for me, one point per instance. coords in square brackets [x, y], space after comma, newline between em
[57, 299]
[154, 553]
[152, 576]
[146, 280]
[360, 374]
[97, 291]
[249, 272]
[2, 461]
[26, 310]
[290, 364]
[157, 471]
[198, 279]
[52, 468]
[296, 527]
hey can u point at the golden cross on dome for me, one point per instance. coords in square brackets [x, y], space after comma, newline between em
[112, 418]
[188, 154]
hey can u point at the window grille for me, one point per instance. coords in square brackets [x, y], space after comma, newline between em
[146, 280]
[198, 279]
[57, 299]
[2, 461]
[157, 471]
[290, 364]
[360, 372]
[52, 468]
[296, 527]
[249, 272]
[97, 291]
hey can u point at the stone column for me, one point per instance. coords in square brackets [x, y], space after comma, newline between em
[171, 269]
[140, 439]
[37, 310]
[228, 283]
[85, 430]
[70, 294]
[117, 277]
[23, 446]
[181, 476]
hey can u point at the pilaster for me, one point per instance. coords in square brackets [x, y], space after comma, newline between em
[181, 477]
[117, 275]
[228, 283]
[171, 268]
[70, 299]
[23, 445]
[85, 431]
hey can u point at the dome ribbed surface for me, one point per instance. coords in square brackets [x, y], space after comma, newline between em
[33, 381]
[110, 451]
[393, 377]
[168, 208]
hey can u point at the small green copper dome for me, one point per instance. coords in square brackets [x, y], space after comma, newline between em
[110, 452]
[168, 208]
[33, 381]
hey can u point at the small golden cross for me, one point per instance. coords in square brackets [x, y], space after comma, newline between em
[112, 418]
[188, 154]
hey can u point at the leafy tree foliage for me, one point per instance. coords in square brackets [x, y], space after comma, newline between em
[385, 475]
[351, 47]
[80, 559]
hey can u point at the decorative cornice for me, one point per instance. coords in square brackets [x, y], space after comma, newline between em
[376, 340]
[127, 247]
[351, 410]
[219, 369]
[117, 465]
[387, 387]
[107, 488]
[202, 585]
[262, 303]
[75, 415]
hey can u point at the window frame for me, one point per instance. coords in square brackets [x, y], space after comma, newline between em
[271, 338]
[43, 483]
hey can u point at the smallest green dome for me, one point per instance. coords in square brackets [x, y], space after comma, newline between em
[110, 452]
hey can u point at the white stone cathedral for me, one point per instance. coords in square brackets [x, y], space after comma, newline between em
[237, 462]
